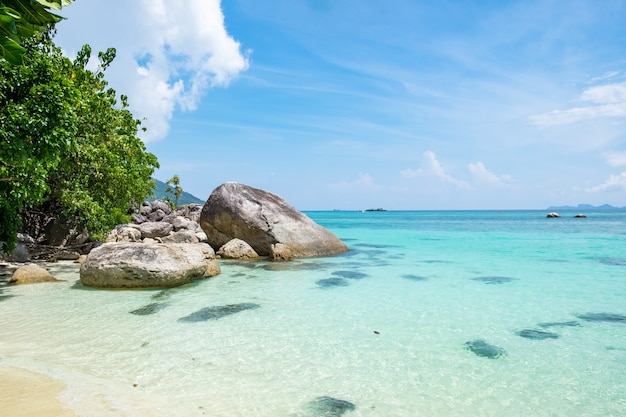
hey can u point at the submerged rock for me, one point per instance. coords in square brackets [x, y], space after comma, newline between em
[537, 334]
[151, 308]
[263, 219]
[603, 317]
[350, 274]
[332, 282]
[493, 280]
[559, 324]
[484, 349]
[413, 277]
[327, 407]
[217, 312]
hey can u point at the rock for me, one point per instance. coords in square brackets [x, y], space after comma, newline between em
[21, 252]
[141, 265]
[237, 249]
[263, 219]
[179, 223]
[124, 233]
[493, 280]
[161, 205]
[190, 212]
[603, 317]
[216, 313]
[139, 218]
[553, 215]
[31, 274]
[328, 407]
[156, 216]
[350, 274]
[280, 252]
[332, 282]
[201, 237]
[66, 255]
[537, 334]
[559, 324]
[580, 216]
[155, 229]
[184, 236]
[151, 308]
[484, 349]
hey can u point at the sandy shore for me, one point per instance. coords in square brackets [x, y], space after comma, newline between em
[26, 394]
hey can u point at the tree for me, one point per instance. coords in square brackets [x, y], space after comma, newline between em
[79, 160]
[37, 126]
[175, 189]
[21, 19]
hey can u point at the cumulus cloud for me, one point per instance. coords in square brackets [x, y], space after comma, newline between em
[433, 167]
[613, 183]
[480, 172]
[169, 53]
[605, 101]
[185, 50]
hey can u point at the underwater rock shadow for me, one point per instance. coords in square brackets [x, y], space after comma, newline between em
[483, 349]
[547, 325]
[537, 334]
[612, 261]
[412, 277]
[332, 282]
[326, 407]
[603, 317]
[217, 312]
[493, 279]
[148, 309]
[350, 274]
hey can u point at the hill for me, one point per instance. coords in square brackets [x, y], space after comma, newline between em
[585, 207]
[185, 198]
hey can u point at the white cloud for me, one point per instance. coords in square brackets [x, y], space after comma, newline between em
[479, 171]
[433, 167]
[605, 101]
[363, 181]
[613, 183]
[169, 53]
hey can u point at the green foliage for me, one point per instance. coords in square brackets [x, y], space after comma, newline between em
[67, 149]
[174, 189]
[37, 126]
[21, 19]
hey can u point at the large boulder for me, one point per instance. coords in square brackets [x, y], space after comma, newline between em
[145, 265]
[263, 219]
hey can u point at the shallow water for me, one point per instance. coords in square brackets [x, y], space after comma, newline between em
[389, 337]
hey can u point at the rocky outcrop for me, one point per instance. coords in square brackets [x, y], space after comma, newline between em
[146, 265]
[237, 249]
[31, 274]
[553, 215]
[263, 219]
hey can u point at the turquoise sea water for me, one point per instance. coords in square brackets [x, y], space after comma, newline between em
[384, 330]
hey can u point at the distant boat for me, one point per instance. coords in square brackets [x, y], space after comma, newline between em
[376, 209]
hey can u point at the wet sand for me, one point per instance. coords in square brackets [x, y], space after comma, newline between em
[26, 394]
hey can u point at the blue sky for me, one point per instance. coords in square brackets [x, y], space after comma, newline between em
[353, 104]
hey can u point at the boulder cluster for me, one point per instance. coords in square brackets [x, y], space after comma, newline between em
[157, 222]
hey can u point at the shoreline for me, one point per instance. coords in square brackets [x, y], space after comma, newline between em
[25, 393]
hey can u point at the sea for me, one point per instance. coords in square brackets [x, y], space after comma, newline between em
[430, 313]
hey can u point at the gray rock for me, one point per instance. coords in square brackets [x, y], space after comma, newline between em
[179, 222]
[155, 229]
[263, 219]
[161, 205]
[237, 249]
[156, 215]
[190, 212]
[183, 236]
[280, 252]
[141, 265]
[124, 233]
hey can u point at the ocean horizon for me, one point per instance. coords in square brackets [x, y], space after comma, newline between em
[438, 313]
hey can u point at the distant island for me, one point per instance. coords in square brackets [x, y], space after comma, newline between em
[185, 198]
[587, 207]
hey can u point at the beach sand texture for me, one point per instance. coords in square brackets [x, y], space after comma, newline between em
[27, 394]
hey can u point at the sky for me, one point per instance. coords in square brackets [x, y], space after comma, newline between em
[356, 104]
